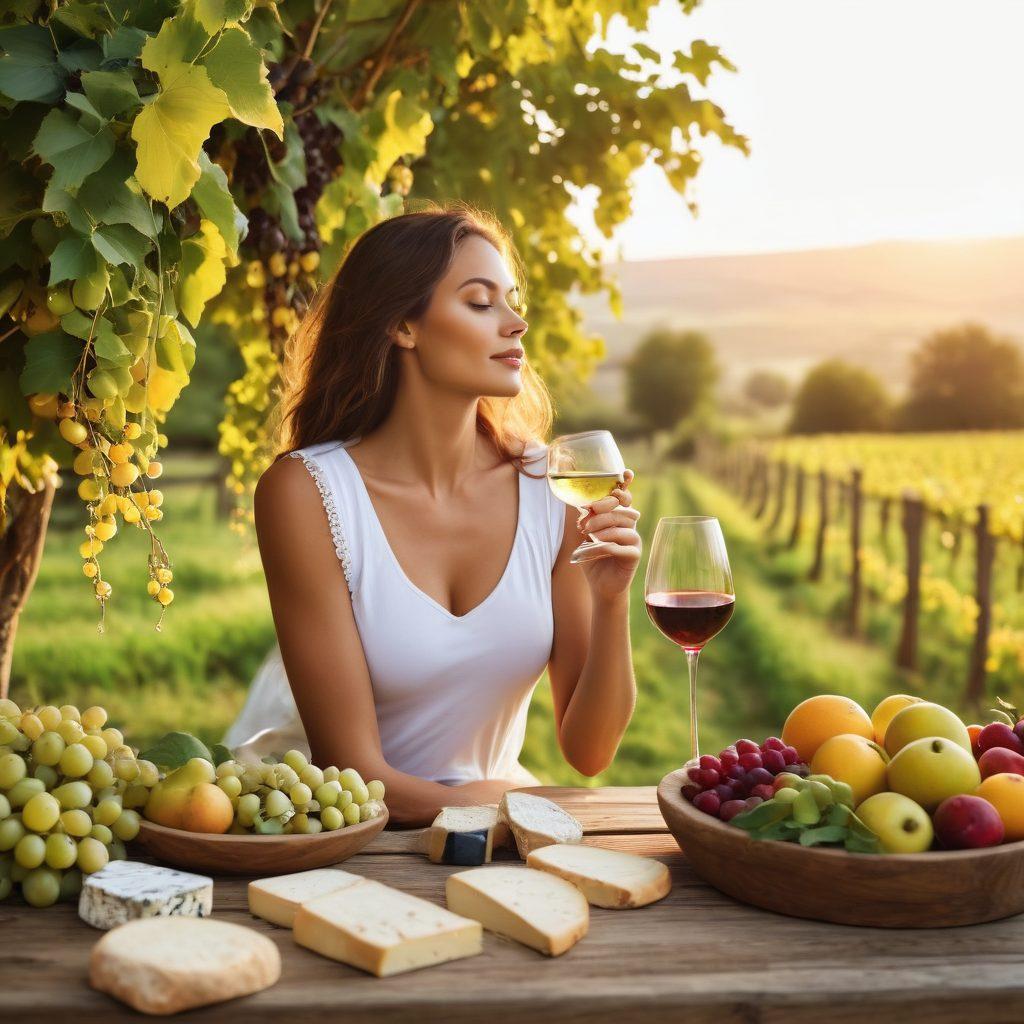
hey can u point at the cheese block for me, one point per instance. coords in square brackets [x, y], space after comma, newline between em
[277, 899]
[465, 835]
[384, 931]
[607, 878]
[168, 964]
[536, 822]
[533, 907]
[125, 890]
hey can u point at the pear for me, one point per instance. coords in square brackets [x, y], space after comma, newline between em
[169, 799]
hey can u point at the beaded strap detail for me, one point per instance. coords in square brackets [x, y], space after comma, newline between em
[333, 519]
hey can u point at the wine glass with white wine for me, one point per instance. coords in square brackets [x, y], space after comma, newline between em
[583, 468]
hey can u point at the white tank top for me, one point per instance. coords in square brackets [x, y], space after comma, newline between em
[451, 691]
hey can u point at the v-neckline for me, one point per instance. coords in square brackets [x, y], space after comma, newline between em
[364, 490]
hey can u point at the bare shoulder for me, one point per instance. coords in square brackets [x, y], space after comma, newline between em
[286, 486]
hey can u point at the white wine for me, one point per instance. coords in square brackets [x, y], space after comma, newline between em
[582, 488]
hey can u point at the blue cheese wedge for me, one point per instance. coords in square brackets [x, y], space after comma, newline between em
[532, 907]
[385, 931]
[608, 878]
[125, 890]
[536, 821]
[465, 835]
[277, 899]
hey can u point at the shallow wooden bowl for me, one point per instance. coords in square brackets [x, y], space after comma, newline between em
[256, 855]
[921, 890]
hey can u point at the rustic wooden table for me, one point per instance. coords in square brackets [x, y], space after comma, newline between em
[695, 956]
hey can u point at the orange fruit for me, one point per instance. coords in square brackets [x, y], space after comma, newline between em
[1006, 794]
[886, 711]
[857, 761]
[820, 718]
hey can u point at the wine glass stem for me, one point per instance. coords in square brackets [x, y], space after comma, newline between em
[691, 661]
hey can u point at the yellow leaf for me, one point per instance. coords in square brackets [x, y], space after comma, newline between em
[202, 270]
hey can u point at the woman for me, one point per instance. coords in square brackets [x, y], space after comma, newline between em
[417, 615]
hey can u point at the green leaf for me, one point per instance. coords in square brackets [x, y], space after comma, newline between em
[292, 169]
[406, 127]
[220, 754]
[15, 414]
[202, 271]
[50, 359]
[176, 350]
[212, 14]
[72, 151]
[823, 834]
[91, 120]
[29, 68]
[121, 243]
[73, 258]
[213, 197]
[111, 92]
[124, 44]
[236, 67]
[170, 132]
[80, 56]
[110, 349]
[87, 19]
[111, 196]
[768, 813]
[18, 192]
[59, 201]
[279, 201]
[175, 749]
[179, 41]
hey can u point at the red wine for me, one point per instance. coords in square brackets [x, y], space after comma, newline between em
[690, 617]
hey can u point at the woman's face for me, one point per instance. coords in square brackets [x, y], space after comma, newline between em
[471, 320]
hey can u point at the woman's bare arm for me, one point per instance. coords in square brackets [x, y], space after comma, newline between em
[322, 651]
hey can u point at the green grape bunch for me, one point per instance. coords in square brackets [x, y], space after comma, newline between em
[71, 791]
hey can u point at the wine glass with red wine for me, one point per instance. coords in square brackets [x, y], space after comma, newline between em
[689, 590]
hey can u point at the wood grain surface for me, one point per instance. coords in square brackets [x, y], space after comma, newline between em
[696, 956]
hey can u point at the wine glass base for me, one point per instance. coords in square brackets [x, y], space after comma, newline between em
[589, 550]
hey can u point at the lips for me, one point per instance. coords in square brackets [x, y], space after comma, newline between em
[512, 353]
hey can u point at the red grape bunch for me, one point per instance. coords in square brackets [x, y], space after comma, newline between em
[740, 777]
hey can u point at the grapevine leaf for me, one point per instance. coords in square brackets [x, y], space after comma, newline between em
[202, 270]
[700, 61]
[110, 349]
[291, 171]
[121, 243]
[29, 68]
[221, 754]
[73, 152]
[111, 196]
[124, 44]
[214, 200]
[91, 119]
[824, 834]
[180, 41]
[170, 132]
[279, 201]
[80, 56]
[18, 128]
[58, 200]
[76, 323]
[406, 127]
[855, 843]
[50, 359]
[73, 258]
[175, 350]
[111, 92]
[175, 749]
[87, 19]
[768, 813]
[237, 67]
[212, 14]
[17, 197]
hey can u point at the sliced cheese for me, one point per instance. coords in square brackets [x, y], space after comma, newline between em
[607, 878]
[533, 907]
[125, 890]
[465, 835]
[277, 899]
[384, 931]
[168, 964]
[536, 821]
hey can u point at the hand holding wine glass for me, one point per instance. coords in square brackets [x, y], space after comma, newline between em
[689, 590]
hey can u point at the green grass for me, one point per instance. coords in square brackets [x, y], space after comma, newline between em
[192, 674]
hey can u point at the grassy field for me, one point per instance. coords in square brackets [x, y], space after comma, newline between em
[192, 675]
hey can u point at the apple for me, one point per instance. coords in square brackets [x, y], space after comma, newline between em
[920, 720]
[886, 711]
[932, 768]
[999, 734]
[852, 759]
[996, 760]
[901, 825]
[188, 799]
[968, 822]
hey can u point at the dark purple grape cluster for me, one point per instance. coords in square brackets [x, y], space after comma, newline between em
[741, 776]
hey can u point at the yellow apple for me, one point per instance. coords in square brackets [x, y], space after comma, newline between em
[887, 710]
[916, 721]
[901, 825]
[855, 760]
[932, 768]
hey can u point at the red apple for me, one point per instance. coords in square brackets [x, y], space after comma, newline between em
[967, 823]
[999, 734]
[998, 759]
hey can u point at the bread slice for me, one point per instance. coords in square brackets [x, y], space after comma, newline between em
[608, 878]
[168, 964]
[536, 821]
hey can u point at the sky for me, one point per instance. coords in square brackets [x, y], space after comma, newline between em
[868, 120]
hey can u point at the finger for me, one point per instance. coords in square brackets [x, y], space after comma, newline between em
[617, 517]
[622, 495]
[618, 535]
[605, 504]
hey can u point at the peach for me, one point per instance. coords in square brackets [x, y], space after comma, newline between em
[1005, 792]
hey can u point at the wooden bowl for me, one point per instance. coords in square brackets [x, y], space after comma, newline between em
[920, 890]
[256, 855]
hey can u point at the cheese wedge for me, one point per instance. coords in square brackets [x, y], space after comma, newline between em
[536, 822]
[465, 835]
[127, 889]
[533, 907]
[384, 931]
[168, 964]
[607, 878]
[277, 899]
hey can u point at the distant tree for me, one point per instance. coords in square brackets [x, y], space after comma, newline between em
[767, 388]
[965, 378]
[668, 376]
[836, 397]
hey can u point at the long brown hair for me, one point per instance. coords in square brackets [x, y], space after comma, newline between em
[340, 371]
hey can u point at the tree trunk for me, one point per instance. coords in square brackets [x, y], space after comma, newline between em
[21, 551]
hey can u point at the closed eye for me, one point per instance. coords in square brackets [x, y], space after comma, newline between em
[477, 305]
